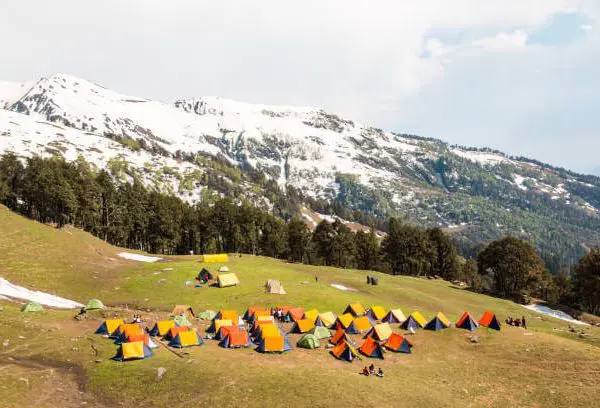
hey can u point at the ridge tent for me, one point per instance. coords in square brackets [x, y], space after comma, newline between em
[128, 330]
[311, 315]
[227, 314]
[161, 328]
[225, 330]
[275, 287]
[262, 320]
[133, 351]
[109, 326]
[344, 320]
[267, 330]
[142, 337]
[236, 339]
[344, 351]
[308, 341]
[439, 322]
[184, 310]
[186, 339]
[174, 331]
[414, 321]
[339, 336]
[371, 348]
[394, 316]
[251, 311]
[274, 344]
[381, 332]
[228, 279]
[260, 315]
[356, 309]
[326, 319]
[31, 307]
[181, 320]
[295, 314]
[94, 304]
[215, 258]
[302, 326]
[217, 324]
[360, 325]
[224, 268]
[376, 313]
[398, 344]
[204, 276]
[489, 320]
[320, 332]
[466, 322]
[126, 327]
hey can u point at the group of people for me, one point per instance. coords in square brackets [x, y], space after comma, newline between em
[281, 315]
[517, 322]
[367, 371]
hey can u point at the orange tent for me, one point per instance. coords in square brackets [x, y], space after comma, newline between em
[489, 320]
[339, 336]
[371, 348]
[466, 322]
[398, 343]
[344, 351]
[252, 310]
[174, 331]
[296, 313]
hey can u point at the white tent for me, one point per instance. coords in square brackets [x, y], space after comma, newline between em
[274, 286]
[224, 269]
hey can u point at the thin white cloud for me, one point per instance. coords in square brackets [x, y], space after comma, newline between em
[503, 42]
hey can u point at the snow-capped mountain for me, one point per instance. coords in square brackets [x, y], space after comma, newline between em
[479, 194]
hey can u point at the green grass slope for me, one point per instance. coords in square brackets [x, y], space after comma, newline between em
[50, 359]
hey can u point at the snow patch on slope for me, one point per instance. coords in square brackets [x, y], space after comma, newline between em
[138, 257]
[9, 290]
[554, 313]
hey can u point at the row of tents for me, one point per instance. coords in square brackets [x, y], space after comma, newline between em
[34, 307]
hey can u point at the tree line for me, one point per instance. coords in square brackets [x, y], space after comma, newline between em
[130, 215]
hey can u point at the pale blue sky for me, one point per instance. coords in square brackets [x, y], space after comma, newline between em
[519, 76]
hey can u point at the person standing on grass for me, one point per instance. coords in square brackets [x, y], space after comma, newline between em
[523, 322]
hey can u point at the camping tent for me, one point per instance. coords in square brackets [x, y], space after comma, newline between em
[227, 314]
[308, 341]
[260, 315]
[344, 351]
[320, 332]
[250, 312]
[339, 336]
[414, 321]
[228, 279]
[224, 268]
[174, 331]
[359, 325]
[207, 315]
[489, 320]
[236, 339]
[32, 307]
[376, 313]
[204, 275]
[181, 320]
[109, 326]
[217, 324]
[94, 304]
[126, 330]
[439, 322]
[381, 331]
[161, 328]
[398, 343]
[145, 337]
[185, 310]
[394, 316]
[267, 330]
[326, 319]
[356, 309]
[466, 322]
[344, 320]
[371, 348]
[258, 320]
[311, 314]
[275, 287]
[133, 351]
[215, 258]
[274, 344]
[186, 339]
[295, 314]
[302, 326]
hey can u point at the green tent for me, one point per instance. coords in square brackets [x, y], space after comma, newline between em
[32, 307]
[94, 304]
[207, 315]
[308, 341]
[320, 332]
[181, 320]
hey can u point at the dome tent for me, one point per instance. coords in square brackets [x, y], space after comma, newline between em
[32, 307]
[94, 304]
[308, 341]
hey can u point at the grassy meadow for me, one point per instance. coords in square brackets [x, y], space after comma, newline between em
[50, 359]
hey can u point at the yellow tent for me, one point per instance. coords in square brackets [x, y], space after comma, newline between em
[215, 258]
[162, 327]
[444, 319]
[228, 279]
[303, 326]
[394, 316]
[222, 323]
[189, 338]
[381, 331]
[311, 314]
[133, 350]
[228, 314]
[360, 324]
[356, 309]
[328, 319]
[376, 312]
[419, 318]
[345, 320]
[269, 330]
[109, 326]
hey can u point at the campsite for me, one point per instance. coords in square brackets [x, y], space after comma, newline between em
[54, 359]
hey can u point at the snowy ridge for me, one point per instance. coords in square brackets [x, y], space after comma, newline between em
[10, 290]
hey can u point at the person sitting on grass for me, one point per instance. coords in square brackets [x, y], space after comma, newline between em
[380, 373]
[372, 369]
[365, 371]
[509, 321]
[518, 322]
